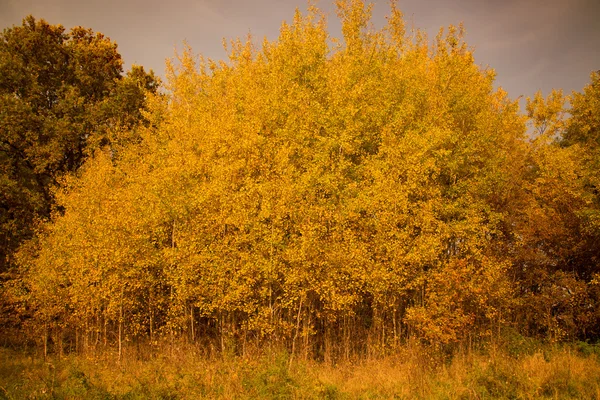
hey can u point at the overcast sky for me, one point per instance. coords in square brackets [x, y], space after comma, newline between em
[532, 44]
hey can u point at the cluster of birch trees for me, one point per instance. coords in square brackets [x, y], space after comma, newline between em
[335, 197]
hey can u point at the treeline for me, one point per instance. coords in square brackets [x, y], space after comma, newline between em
[336, 198]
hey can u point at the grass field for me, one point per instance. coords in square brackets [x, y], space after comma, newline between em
[534, 372]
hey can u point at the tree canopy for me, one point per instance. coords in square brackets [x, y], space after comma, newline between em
[62, 96]
[337, 197]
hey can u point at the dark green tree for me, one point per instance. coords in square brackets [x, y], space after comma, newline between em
[62, 95]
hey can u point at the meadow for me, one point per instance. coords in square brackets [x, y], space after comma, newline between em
[519, 369]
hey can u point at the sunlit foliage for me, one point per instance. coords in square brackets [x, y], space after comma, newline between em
[337, 197]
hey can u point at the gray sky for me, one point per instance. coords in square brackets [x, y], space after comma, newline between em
[532, 44]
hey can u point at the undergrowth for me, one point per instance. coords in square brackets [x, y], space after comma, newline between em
[544, 372]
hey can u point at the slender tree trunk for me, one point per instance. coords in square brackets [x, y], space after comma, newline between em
[394, 311]
[105, 331]
[151, 316]
[307, 334]
[86, 336]
[221, 329]
[382, 346]
[346, 335]
[98, 329]
[192, 323]
[172, 333]
[171, 329]
[45, 339]
[296, 334]
[121, 332]
[327, 344]
[60, 343]
[244, 339]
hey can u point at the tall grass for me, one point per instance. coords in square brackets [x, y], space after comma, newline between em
[413, 372]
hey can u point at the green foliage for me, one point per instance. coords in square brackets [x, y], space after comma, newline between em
[273, 382]
[516, 345]
[497, 382]
[588, 349]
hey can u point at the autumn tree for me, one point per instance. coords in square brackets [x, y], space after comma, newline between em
[336, 197]
[556, 246]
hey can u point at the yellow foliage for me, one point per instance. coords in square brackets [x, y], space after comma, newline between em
[308, 192]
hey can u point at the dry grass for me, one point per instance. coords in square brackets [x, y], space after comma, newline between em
[412, 373]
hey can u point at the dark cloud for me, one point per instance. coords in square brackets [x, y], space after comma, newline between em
[532, 44]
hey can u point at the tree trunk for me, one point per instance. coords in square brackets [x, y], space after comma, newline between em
[45, 339]
[121, 332]
[296, 334]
